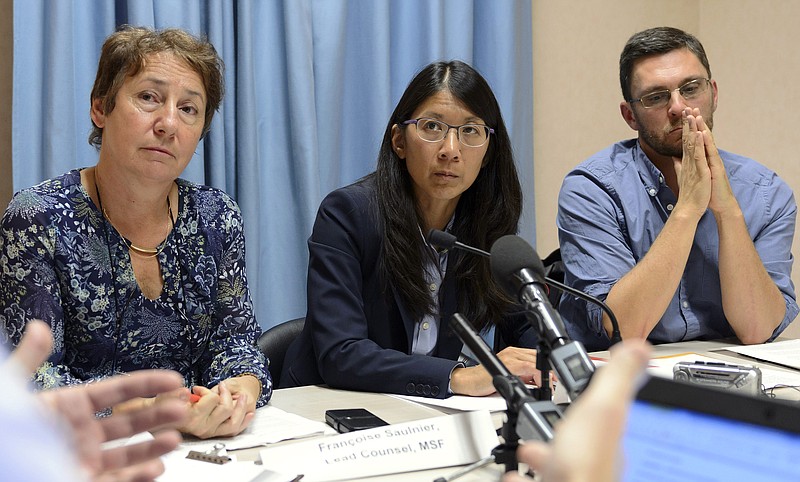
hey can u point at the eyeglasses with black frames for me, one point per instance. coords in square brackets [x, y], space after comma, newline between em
[689, 91]
[432, 130]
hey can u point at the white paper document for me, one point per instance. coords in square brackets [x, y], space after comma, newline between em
[430, 443]
[492, 403]
[786, 353]
[270, 425]
[180, 469]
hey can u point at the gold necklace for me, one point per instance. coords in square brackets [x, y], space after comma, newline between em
[137, 250]
[145, 252]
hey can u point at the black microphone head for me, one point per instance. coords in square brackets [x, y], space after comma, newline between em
[510, 254]
[441, 239]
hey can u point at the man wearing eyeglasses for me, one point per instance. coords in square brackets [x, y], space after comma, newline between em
[682, 240]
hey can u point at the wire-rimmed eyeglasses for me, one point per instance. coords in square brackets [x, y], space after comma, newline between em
[432, 130]
[690, 90]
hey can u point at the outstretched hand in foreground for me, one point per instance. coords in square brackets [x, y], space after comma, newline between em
[75, 407]
[587, 440]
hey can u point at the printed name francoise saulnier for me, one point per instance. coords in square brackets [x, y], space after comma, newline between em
[369, 438]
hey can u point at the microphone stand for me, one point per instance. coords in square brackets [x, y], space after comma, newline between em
[524, 415]
[543, 392]
[567, 357]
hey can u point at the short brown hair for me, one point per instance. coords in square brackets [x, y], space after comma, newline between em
[125, 51]
[656, 41]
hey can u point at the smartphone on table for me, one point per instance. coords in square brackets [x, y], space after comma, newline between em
[351, 419]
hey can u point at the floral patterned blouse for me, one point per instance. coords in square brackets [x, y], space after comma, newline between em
[64, 263]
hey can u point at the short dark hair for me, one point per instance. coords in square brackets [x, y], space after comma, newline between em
[489, 209]
[654, 41]
[124, 54]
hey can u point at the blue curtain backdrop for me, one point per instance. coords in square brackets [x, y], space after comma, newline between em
[310, 85]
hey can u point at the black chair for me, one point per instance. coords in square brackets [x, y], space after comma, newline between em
[275, 341]
[554, 269]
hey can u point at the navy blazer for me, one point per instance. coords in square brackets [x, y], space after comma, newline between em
[358, 334]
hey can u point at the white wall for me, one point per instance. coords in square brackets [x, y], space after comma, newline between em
[752, 48]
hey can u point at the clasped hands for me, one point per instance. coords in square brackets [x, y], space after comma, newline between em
[702, 180]
[222, 411]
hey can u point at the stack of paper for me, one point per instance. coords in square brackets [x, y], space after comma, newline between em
[270, 425]
[786, 353]
[461, 403]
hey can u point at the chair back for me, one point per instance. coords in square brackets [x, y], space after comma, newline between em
[554, 269]
[274, 343]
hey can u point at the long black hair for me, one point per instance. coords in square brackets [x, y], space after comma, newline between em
[489, 209]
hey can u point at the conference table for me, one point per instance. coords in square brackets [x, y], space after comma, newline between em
[311, 402]
[717, 349]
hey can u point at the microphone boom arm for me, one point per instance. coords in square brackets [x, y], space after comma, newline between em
[615, 334]
[448, 241]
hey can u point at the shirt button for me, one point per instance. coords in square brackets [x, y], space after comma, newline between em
[661, 179]
[651, 191]
[670, 207]
[685, 304]
[432, 287]
[425, 325]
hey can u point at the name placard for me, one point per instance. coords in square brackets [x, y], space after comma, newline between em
[423, 444]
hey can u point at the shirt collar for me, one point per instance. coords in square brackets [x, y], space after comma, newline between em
[651, 177]
[448, 227]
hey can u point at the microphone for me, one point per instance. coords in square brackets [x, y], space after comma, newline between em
[520, 272]
[448, 241]
[537, 417]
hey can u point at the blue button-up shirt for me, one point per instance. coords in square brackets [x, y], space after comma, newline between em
[612, 207]
[426, 331]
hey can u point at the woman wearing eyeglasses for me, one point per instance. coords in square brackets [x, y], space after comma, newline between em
[380, 298]
[132, 267]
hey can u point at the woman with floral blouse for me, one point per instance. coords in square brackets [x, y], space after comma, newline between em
[132, 267]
